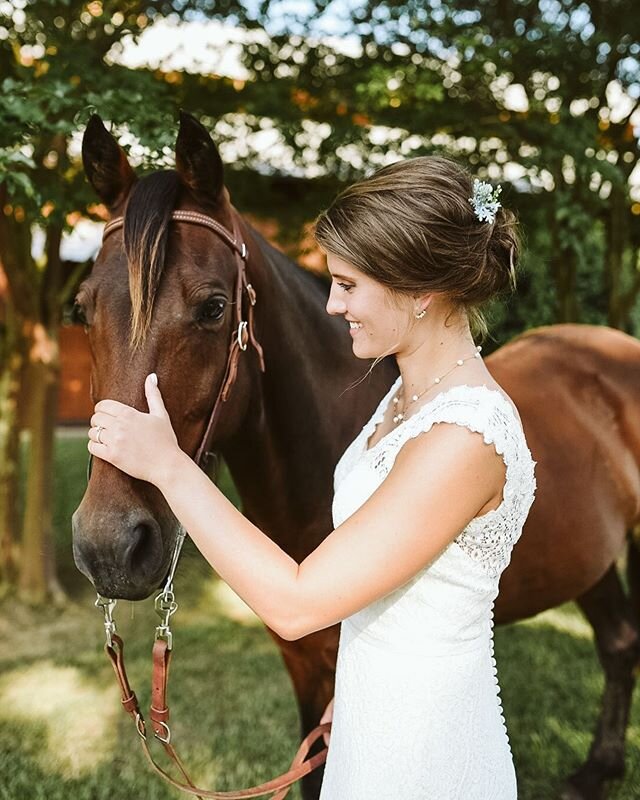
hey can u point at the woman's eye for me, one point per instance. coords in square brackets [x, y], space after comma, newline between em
[346, 286]
[212, 309]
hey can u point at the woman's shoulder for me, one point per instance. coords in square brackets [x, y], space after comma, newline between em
[485, 393]
[485, 409]
[486, 399]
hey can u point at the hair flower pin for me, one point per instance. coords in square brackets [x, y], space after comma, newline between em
[485, 200]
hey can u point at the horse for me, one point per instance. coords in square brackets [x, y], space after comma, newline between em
[161, 297]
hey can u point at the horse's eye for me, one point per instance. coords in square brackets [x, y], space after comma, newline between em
[77, 315]
[212, 310]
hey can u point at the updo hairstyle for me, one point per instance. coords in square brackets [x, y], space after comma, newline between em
[411, 227]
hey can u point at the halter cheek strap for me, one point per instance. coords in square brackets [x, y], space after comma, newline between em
[243, 332]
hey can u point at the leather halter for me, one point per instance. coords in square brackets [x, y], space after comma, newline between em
[243, 332]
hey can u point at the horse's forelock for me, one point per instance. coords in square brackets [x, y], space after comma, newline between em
[146, 229]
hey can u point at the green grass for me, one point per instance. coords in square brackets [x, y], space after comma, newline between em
[64, 736]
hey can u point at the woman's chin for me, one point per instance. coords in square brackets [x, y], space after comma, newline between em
[361, 350]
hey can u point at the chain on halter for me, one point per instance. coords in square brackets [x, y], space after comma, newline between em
[165, 603]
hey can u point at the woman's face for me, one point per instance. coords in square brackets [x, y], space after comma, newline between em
[377, 322]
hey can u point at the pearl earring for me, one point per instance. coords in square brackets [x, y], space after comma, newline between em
[421, 314]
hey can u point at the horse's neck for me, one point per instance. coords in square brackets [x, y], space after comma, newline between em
[301, 415]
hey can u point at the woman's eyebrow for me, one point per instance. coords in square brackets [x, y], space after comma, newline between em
[341, 277]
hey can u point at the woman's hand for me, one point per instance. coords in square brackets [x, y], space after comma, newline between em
[327, 717]
[142, 445]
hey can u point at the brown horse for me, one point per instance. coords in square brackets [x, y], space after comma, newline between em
[282, 431]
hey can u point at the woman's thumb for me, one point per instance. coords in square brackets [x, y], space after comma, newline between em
[154, 398]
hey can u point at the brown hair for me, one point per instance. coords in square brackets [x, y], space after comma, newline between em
[411, 227]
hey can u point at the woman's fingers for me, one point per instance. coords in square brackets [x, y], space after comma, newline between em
[97, 449]
[327, 717]
[112, 407]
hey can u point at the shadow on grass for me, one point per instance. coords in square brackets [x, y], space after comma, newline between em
[234, 716]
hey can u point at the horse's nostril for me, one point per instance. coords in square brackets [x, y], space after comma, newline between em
[143, 552]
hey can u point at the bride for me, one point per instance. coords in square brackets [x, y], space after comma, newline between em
[430, 497]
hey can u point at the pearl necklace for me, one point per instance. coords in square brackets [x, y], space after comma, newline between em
[400, 415]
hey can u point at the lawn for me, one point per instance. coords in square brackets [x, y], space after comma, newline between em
[64, 736]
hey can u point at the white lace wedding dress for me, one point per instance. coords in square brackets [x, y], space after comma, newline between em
[417, 712]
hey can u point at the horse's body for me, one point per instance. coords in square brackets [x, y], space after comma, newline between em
[576, 388]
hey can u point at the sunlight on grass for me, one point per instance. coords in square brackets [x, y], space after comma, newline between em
[76, 715]
[565, 619]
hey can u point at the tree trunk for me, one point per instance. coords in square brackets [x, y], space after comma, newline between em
[564, 273]
[37, 568]
[35, 293]
[566, 299]
[630, 298]
[617, 242]
[11, 362]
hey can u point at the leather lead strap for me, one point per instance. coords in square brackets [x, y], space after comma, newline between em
[159, 711]
[280, 785]
[128, 696]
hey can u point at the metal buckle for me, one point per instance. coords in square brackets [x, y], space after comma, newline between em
[166, 606]
[140, 726]
[242, 327]
[243, 251]
[252, 294]
[107, 605]
[167, 738]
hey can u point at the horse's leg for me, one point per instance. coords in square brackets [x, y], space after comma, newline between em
[610, 612]
[311, 663]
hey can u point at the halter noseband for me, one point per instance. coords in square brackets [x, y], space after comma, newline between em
[243, 333]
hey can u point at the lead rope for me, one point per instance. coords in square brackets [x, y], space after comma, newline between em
[166, 606]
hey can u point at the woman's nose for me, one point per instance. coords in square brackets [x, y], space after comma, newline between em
[334, 304]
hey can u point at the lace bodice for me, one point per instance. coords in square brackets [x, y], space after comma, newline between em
[417, 711]
[487, 539]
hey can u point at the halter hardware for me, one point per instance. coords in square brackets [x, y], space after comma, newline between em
[107, 605]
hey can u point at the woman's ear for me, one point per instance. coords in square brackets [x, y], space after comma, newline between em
[421, 303]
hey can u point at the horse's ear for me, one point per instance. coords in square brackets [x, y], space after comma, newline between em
[105, 163]
[198, 161]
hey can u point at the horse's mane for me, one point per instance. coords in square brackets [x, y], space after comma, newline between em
[146, 229]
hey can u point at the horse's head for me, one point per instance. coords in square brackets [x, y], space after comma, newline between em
[166, 295]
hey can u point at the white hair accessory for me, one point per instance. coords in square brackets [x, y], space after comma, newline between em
[485, 200]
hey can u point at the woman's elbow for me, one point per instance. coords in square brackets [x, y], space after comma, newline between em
[292, 630]
[298, 627]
